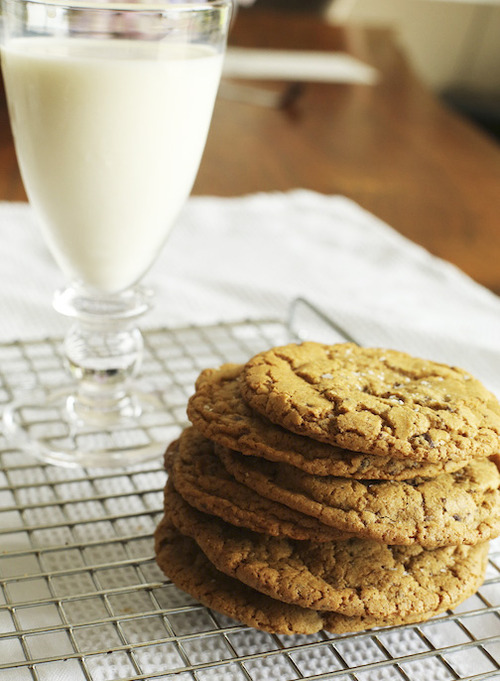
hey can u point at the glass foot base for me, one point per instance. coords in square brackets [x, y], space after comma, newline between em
[51, 429]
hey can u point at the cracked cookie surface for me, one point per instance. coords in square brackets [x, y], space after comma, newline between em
[186, 565]
[356, 577]
[200, 477]
[218, 411]
[452, 508]
[376, 401]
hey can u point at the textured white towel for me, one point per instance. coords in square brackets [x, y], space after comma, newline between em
[249, 257]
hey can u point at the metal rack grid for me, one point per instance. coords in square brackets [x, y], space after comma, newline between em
[81, 597]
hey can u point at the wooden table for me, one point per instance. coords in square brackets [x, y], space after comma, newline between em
[392, 147]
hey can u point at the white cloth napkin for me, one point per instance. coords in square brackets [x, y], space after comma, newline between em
[297, 65]
[229, 259]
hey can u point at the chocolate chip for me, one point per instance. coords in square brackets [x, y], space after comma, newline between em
[428, 439]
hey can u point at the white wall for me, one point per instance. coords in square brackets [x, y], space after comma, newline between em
[451, 44]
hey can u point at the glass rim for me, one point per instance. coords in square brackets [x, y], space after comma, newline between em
[130, 5]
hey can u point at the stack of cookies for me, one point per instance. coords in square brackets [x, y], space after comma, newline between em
[332, 487]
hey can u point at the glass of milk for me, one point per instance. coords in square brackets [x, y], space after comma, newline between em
[110, 105]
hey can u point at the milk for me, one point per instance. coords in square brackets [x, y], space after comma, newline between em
[109, 135]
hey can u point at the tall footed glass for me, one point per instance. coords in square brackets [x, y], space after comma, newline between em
[110, 105]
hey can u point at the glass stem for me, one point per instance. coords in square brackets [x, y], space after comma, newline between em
[103, 351]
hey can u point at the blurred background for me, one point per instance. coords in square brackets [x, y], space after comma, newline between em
[453, 45]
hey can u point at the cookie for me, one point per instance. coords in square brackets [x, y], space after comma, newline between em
[452, 508]
[218, 411]
[376, 401]
[186, 566]
[170, 454]
[200, 477]
[356, 577]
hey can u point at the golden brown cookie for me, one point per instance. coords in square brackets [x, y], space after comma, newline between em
[200, 477]
[377, 401]
[218, 411]
[452, 508]
[356, 577]
[186, 566]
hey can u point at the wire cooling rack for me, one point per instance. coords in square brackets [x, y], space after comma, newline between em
[81, 597]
